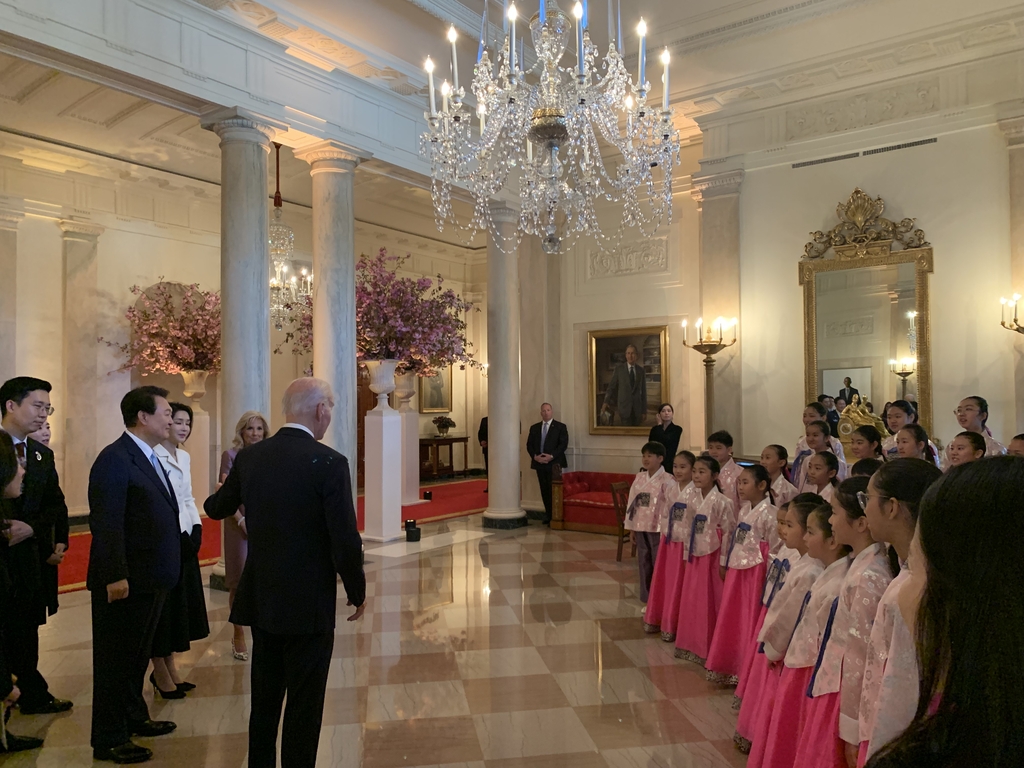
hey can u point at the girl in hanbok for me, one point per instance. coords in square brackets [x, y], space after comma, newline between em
[775, 458]
[776, 748]
[817, 441]
[822, 475]
[964, 604]
[964, 448]
[643, 511]
[708, 514]
[831, 735]
[812, 413]
[888, 699]
[901, 413]
[912, 443]
[663, 602]
[797, 573]
[743, 566]
[866, 443]
[972, 416]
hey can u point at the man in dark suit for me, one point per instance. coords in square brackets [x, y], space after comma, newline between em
[848, 391]
[302, 535]
[481, 437]
[626, 395]
[133, 563]
[39, 539]
[546, 444]
[831, 414]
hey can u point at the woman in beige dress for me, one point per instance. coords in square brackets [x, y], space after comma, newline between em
[251, 428]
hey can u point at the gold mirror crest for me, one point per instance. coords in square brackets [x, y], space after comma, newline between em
[863, 231]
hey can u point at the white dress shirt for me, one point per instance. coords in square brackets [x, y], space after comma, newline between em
[303, 427]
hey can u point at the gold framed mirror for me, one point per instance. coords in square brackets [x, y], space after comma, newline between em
[865, 286]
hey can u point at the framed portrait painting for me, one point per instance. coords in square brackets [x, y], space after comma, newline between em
[628, 379]
[436, 392]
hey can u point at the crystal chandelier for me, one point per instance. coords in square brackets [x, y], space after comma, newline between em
[564, 138]
[284, 289]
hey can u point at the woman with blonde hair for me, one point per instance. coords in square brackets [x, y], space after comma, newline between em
[251, 428]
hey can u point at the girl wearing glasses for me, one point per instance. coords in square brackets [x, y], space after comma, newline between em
[837, 681]
[889, 696]
[972, 416]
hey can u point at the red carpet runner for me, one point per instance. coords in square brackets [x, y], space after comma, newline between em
[450, 500]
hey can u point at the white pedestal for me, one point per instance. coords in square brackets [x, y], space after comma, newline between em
[382, 494]
[198, 447]
[410, 458]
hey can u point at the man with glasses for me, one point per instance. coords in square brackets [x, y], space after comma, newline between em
[37, 541]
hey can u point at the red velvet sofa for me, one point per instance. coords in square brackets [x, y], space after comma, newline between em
[582, 501]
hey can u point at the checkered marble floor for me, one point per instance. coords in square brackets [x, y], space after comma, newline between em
[478, 648]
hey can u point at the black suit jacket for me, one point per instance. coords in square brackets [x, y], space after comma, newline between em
[302, 533]
[133, 517]
[42, 506]
[481, 434]
[847, 394]
[556, 444]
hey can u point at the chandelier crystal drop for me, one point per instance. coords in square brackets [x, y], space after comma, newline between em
[567, 140]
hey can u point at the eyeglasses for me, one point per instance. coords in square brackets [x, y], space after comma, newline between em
[965, 411]
[47, 408]
[862, 499]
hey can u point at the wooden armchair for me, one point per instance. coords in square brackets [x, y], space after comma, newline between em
[620, 495]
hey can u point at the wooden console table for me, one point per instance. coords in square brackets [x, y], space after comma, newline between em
[430, 457]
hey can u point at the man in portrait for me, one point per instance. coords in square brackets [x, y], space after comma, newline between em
[626, 396]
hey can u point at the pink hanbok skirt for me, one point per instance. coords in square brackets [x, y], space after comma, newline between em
[862, 756]
[666, 584]
[737, 619]
[699, 600]
[750, 654]
[758, 711]
[820, 745]
[758, 680]
[786, 723]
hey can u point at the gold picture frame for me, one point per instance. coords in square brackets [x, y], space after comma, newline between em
[864, 238]
[436, 399]
[606, 351]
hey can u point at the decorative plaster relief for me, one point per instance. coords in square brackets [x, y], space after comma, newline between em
[646, 258]
[860, 326]
[863, 110]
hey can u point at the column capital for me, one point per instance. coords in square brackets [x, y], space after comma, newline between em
[10, 219]
[330, 155]
[238, 124]
[711, 185]
[1013, 131]
[502, 212]
[78, 230]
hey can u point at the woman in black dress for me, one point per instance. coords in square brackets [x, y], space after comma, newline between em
[183, 617]
[667, 433]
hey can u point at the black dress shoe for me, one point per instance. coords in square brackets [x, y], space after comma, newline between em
[175, 693]
[128, 752]
[20, 743]
[51, 707]
[151, 728]
[185, 687]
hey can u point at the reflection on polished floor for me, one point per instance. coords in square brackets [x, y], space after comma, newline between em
[477, 649]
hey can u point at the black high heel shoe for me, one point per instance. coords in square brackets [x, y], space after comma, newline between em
[185, 687]
[175, 694]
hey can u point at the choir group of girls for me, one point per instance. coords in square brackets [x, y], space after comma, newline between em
[799, 593]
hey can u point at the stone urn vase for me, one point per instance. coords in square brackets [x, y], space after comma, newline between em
[382, 379]
[195, 383]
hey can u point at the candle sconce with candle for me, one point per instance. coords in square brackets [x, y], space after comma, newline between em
[710, 341]
[904, 368]
[1012, 303]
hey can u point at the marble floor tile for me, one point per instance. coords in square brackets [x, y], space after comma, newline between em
[619, 608]
[694, 755]
[681, 680]
[415, 701]
[509, 694]
[351, 672]
[581, 657]
[484, 638]
[648, 653]
[561, 634]
[341, 746]
[420, 668]
[551, 611]
[502, 662]
[637, 724]
[571, 760]
[713, 715]
[406, 743]
[530, 733]
[608, 686]
[345, 706]
[407, 643]
[479, 617]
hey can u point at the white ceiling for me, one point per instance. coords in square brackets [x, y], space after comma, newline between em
[77, 123]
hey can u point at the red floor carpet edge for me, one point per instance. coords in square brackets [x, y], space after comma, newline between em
[450, 500]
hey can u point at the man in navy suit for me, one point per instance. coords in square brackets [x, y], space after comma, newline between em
[134, 562]
[546, 444]
[37, 540]
[301, 525]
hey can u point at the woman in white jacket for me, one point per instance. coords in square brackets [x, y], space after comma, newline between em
[183, 617]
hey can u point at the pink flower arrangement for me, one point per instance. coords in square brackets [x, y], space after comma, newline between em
[413, 321]
[174, 328]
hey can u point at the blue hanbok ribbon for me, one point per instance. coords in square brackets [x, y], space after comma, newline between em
[672, 516]
[798, 464]
[799, 616]
[641, 499]
[693, 533]
[780, 579]
[821, 650]
[732, 544]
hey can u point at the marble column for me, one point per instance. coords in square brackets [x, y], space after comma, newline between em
[503, 420]
[1013, 130]
[244, 380]
[718, 200]
[81, 316]
[9, 221]
[332, 166]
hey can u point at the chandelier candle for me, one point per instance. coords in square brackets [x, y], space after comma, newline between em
[641, 29]
[577, 12]
[512, 14]
[429, 66]
[483, 33]
[452, 37]
[664, 60]
[542, 12]
[445, 90]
